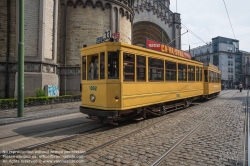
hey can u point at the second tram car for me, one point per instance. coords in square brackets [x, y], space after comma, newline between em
[119, 81]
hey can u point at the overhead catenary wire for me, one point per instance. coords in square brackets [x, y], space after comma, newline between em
[177, 37]
[193, 33]
[194, 43]
[229, 18]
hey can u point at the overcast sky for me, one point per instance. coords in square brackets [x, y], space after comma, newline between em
[208, 19]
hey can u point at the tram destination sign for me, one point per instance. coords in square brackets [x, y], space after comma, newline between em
[153, 45]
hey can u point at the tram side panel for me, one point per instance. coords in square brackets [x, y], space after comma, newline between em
[148, 93]
[106, 96]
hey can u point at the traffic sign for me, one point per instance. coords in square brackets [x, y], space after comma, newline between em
[107, 35]
[99, 40]
[116, 35]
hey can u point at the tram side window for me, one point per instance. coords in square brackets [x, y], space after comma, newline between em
[155, 69]
[102, 65]
[191, 73]
[209, 76]
[182, 72]
[113, 65]
[93, 67]
[206, 75]
[212, 76]
[200, 72]
[141, 68]
[128, 66]
[170, 71]
[197, 73]
[83, 67]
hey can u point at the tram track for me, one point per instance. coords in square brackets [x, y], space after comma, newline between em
[129, 134]
[246, 156]
[112, 141]
[184, 138]
[91, 131]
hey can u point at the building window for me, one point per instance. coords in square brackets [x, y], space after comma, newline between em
[141, 68]
[170, 71]
[155, 69]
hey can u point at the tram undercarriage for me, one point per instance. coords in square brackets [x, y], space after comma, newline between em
[113, 117]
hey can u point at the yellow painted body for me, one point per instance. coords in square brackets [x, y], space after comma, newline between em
[212, 87]
[134, 94]
[148, 93]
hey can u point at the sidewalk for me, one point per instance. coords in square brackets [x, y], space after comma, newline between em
[38, 112]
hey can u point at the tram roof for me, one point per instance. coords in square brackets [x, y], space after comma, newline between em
[120, 46]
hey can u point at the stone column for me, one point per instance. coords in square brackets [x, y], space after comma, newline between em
[177, 30]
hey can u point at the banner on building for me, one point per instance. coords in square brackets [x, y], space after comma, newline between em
[151, 44]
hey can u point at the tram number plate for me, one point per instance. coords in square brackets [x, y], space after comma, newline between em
[93, 88]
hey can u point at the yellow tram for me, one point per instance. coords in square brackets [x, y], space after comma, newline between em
[120, 80]
[212, 82]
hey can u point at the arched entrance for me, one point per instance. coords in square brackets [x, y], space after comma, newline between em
[145, 29]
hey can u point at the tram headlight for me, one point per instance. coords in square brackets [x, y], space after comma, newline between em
[92, 97]
[116, 98]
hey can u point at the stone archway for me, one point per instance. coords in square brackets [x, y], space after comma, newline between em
[145, 29]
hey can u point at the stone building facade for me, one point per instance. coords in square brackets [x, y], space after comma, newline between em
[55, 30]
[155, 20]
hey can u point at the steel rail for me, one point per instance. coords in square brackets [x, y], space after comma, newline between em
[162, 157]
[119, 138]
[115, 140]
[248, 132]
[246, 155]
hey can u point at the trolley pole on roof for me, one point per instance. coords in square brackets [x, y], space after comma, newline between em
[21, 60]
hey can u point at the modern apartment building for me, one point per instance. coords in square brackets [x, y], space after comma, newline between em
[246, 67]
[224, 53]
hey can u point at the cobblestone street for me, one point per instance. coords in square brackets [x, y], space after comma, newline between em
[217, 141]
